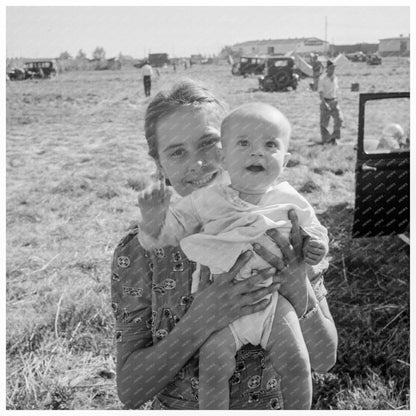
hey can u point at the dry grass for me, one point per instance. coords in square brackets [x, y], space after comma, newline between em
[76, 158]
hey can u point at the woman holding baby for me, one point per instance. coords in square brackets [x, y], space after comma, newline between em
[160, 324]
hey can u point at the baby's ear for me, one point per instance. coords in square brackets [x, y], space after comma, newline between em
[286, 159]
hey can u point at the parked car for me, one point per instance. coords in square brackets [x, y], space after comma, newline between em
[249, 65]
[382, 172]
[280, 74]
[356, 56]
[33, 69]
[373, 59]
[41, 69]
[16, 74]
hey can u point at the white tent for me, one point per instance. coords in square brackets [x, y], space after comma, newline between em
[303, 65]
[342, 62]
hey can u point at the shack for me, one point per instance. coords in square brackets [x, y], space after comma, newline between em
[158, 59]
[399, 46]
[196, 59]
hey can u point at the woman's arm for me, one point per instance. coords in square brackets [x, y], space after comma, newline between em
[163, 224]
[143, 372]
[316, 321]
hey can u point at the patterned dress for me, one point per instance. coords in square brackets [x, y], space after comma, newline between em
[150, 292]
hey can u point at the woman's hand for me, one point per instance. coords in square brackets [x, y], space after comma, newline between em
[154, 204]
[225, 299]
[292, 268]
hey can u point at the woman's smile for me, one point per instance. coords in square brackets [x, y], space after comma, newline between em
[201, 182]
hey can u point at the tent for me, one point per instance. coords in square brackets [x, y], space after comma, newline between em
[303, 66]
[342, 62]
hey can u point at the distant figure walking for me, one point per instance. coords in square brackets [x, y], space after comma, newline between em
[147, 73]
[328, 93]
[317, 68]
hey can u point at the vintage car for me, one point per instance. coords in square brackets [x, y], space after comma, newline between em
[16, 74]
[356, 56]
[249, 65]
[32, 70]
[382, 172]
[279, 75]
[373, 59]
[41, 69]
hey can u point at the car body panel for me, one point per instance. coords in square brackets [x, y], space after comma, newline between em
[382, 194]
[249, 65]
[279, 74]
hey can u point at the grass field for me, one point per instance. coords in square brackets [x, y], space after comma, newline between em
[76, 157]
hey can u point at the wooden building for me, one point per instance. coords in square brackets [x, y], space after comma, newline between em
[158, 59]
[282, 46]
[399, 46]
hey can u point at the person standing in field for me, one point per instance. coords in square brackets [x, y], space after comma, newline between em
[147, 73]
[316, 71]
[328, 93]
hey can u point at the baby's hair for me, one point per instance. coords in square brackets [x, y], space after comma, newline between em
[183, 94]
[248, 106]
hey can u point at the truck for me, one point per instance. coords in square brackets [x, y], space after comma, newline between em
[158, 59]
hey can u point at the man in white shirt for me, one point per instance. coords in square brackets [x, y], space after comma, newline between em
[147, 73]
[329, 107]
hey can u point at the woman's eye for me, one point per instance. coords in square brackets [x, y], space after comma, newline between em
[209, 142]
[242, 143]
[177, 153]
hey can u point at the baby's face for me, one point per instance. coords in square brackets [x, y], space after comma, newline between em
[254, 149]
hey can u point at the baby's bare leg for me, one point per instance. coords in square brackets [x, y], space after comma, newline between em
[290, 357]
[216, 366]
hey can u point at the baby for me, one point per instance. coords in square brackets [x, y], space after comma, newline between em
[392, 138]
[215, 224]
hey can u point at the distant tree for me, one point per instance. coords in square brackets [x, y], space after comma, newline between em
[65, 55]
[122, 57]
[81, 55]
[99, 53]
[227, 51]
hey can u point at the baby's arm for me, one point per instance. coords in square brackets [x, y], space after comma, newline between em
[315, 245]
[314, 251]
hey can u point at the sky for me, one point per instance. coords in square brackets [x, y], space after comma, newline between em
[39, 31]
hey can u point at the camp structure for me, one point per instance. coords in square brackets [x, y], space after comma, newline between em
[158, 59]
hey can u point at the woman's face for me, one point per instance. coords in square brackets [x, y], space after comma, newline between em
[188, 144]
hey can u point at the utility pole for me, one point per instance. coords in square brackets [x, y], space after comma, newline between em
[326, 33]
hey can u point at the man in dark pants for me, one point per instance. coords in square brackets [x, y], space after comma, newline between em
[328, 93]
[147, 73]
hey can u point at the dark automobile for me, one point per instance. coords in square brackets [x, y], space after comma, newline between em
[279, 75]
[16, 74]
[32, 70]
[382, 172]
[249, 65]
[373, 59]
[40, 69]
[356, 56]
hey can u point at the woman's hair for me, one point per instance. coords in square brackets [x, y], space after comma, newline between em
[183, 94]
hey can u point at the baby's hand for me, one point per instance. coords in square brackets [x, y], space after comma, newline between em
[153, 204]
[313, 251]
